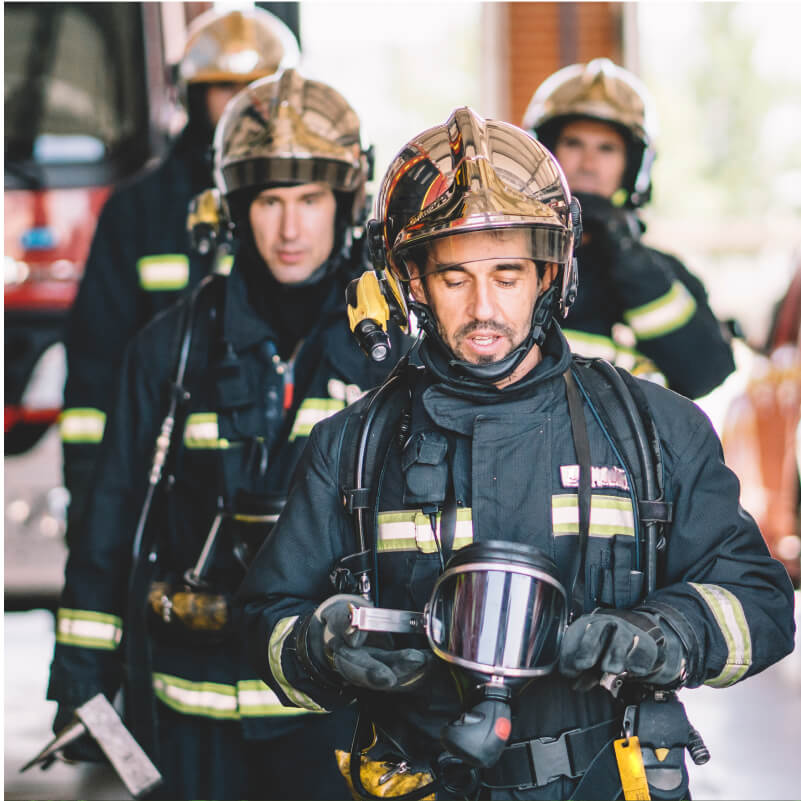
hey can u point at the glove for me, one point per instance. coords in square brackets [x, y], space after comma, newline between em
[615, 227]
[628, 641]
[84, 749]
[361, 658]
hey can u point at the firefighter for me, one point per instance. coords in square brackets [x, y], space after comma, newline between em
[138, 262]
[502, 502]
[597, 120]
[266, 354]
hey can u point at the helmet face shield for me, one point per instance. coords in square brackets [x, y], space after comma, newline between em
[512, 244]
[502, 614]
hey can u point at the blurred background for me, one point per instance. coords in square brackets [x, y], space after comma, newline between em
[89, 101]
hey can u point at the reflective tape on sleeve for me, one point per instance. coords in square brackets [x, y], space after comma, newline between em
[730, 619]
[410, 530]
[609, 515]
[311, 412]
[87, 629]
[163, 272]
[256, 699]
[275, 648]
[81, 426]
[201, 431]
[205, 698]
[663, 315]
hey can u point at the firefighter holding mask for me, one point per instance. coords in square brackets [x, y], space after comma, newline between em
[472, 552]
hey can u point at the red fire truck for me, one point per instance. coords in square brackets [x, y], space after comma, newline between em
[87, 103]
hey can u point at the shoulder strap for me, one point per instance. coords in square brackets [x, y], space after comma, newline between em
[623, 412]
[364, 446]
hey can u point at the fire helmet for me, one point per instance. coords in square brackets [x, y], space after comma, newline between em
[471, 174]
[236, 47]
[288, 129]
[599, 90]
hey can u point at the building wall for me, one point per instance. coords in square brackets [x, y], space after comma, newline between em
[542, 37]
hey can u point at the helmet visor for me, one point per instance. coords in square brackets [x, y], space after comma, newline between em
[455, 248]
[497, 619]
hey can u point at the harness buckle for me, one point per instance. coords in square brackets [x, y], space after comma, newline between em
[551, 758]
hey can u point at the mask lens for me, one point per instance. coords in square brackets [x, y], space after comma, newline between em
[505, 621]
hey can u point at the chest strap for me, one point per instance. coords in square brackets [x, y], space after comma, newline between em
[534, 763]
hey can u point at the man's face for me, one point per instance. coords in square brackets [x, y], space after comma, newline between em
[593, 157]
[217, 96]
[293, 227]
[482, 287]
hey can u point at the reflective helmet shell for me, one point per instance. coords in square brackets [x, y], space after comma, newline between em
[472, 174]
[236, 46]
[599, 90]
[290, 130]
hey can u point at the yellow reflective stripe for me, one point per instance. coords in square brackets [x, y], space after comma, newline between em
[593, 345]
[730, 618]
[274, 649]
[663, 315]
[202, 431]
[256, 699]
[82, 425]
[410, 530]
[88, 629]
[609, 515]
[224, 265]
[311, 412]
[206, 698]
[596, 346]
[165, 271]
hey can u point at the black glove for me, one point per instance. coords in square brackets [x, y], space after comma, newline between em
[614, 227]
[85, 748]
[362, 659]
[616, 641]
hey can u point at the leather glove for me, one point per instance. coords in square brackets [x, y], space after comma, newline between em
[361, 658]
[84, 749]
[629, 641]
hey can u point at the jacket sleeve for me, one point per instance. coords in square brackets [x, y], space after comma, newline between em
[666, 307]
[721, 590]
[90, 620]
[289, 577]
[102, 320]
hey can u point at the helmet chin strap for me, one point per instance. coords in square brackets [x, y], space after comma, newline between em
[492, 372]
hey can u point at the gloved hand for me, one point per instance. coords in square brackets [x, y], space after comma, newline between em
[361, 658]
[85, 748]
[601, 219]
[623, 641]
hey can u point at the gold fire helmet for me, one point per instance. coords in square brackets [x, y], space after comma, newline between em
[290, 130]
[236, 46]
[599, 90]
[472, 174]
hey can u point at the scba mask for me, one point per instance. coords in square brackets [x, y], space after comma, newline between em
[498, 613]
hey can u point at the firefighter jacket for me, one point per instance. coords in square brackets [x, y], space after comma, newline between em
[663, 305]
[244, 419]
[137, 266]
[512, 464]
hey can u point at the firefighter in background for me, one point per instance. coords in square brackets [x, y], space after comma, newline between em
[138, 263]
[596, 119]
[270, 355]
[501, 461]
